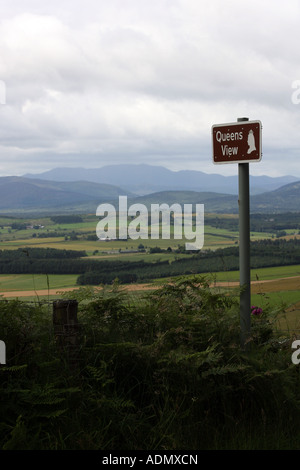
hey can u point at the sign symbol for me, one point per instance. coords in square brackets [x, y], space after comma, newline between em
[251, 142]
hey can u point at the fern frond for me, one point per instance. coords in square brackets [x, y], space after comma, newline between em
[13, 369]
[224, 370]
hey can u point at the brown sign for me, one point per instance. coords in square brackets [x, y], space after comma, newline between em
[237, 142]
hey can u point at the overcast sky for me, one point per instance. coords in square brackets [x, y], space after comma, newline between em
[86, 83]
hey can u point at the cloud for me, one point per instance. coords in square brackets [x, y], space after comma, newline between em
[99, 81]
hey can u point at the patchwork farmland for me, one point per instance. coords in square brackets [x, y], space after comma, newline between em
[269, 284]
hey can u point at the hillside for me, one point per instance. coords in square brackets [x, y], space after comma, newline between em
[145, 179]
[17, 193]
[214, 202]
[284, 199]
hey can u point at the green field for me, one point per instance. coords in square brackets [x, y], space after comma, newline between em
[273, 295]
[25, 282]
[34, 237]
[261, 273]
[18, 282]
[169, 367]
[75, 236]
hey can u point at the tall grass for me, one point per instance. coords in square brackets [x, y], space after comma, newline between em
[164, 371]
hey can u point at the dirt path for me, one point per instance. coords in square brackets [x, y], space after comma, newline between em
[32, 293]
[286, 283]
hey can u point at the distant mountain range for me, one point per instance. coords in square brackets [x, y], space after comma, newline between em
[284, 199]
[27, 194]
[70, 190]
[145, 179]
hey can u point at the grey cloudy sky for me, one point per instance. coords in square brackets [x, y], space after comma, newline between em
[96, 82]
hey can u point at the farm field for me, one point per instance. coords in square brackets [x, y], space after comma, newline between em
[44, 233]
[36, 282]
[270, 286]
[31, 282]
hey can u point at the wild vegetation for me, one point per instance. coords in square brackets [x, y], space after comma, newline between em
[159, 371]
[165, 371]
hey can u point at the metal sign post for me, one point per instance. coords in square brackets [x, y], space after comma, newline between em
[240, 143]
[244, 253]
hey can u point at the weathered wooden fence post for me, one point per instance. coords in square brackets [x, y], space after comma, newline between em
[66, 328]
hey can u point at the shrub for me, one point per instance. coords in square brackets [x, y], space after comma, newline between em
[162, 371]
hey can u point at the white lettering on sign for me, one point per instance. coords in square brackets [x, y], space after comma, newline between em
[227, 136]
[229, 150]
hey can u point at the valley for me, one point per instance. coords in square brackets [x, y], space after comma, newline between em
[59, 214]
[270, 285]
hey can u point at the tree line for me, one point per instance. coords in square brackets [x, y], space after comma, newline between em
[40, 253]
[67, 219]
[264, 253]
[271, 223]
[41, 261]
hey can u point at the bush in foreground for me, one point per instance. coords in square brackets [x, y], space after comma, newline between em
[165, 371]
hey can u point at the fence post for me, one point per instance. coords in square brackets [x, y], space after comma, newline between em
[2, 352]
[65, 325]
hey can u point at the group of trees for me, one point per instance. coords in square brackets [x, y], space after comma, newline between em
[41, 261]
[272, 223]
[264, 253]
[67, 219]
[40, 253]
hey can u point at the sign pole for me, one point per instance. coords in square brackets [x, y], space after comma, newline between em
[244, 251]
[240, 142]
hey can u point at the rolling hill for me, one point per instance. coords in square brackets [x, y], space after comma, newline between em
[284, 199]
[146, 179]
[214, 202]
[19, 195]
